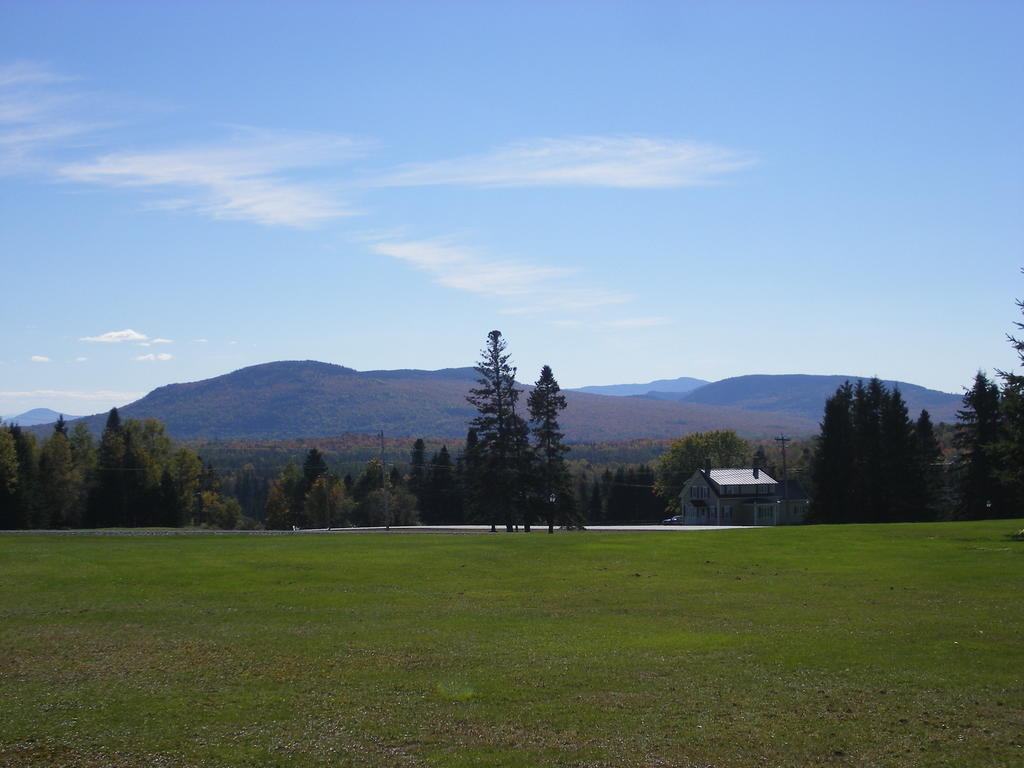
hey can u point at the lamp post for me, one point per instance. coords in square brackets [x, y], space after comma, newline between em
[551, 515]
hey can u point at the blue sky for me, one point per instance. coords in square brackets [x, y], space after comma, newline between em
[627, 190]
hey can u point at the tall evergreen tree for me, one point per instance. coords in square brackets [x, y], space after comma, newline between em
[26, 511]
[545, 403]
[931, 472]
[978, 432]
[1010, 448]
[870, 464]
[498, 429]
[832, 465]
[107, 502]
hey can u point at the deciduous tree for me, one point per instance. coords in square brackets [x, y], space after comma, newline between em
[723, 448]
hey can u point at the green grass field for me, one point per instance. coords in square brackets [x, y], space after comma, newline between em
[898, 645]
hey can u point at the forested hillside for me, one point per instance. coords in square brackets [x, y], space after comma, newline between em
[804, 395]
[287, 400]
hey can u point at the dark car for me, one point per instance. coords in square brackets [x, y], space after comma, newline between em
[677, 520]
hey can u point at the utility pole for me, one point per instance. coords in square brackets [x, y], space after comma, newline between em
[384, 482]
[782, 440]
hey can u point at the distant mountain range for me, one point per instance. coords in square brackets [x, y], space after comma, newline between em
[659, 387]
[308, 399]
[802, 395]
[36, 416]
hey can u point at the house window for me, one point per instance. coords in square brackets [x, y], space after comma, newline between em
[765, 514]
[698, 491]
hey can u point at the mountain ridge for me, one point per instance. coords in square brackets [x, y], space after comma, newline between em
[290, 399]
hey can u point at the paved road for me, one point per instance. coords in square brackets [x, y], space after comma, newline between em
[463, 529]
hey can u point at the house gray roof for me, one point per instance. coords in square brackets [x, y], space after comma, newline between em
[740, 477]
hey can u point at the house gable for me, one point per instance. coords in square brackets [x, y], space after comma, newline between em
[739, 496]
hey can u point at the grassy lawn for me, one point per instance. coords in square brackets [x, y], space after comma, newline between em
[899, 645]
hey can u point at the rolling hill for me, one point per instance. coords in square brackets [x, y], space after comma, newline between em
[804, 395]
[311, 399]
[308, 399]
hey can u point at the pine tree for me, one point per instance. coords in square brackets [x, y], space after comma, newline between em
[497, 428]
[545, 403]
[313, 468]
[867, 465]
[107, 502]
[832, 465]
[978, 432]
[1010, 448]
[930, 472]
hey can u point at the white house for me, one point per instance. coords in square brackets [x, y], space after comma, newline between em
[746, 496]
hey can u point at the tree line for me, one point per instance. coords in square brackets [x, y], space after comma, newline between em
[870, 463]
[134, 476]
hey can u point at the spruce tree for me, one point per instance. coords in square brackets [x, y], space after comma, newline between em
[107, 502]
[978, 432]
[1010, 448]
[545, 403]
[832, 465]
[929, 474]
[498, 430]
[313, 468]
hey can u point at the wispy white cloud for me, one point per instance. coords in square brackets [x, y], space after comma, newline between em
[152, 357]
[525, 288]
[39, 359]
[116, 337]
[594, 161]
[73, 395]
[245, 178]
[200, 341]
[81, 359]
[161, 341]
[36, 114]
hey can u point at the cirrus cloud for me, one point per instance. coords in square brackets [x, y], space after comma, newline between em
[526, 288]
[153, 356]
[587, 161]
[244, 178]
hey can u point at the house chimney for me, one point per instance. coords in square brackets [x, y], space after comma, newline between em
[707, 467]
[757, 473]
